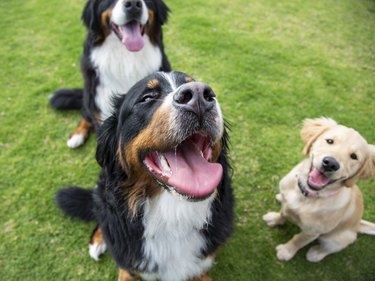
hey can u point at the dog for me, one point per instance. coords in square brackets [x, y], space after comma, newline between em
[124, 44]
[163, 202]
[320, 194]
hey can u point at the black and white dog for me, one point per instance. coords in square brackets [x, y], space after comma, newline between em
[163, 202]
[124, 44]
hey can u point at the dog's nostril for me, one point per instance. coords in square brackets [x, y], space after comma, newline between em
[133, 4]
[330, 164]
[184, 96]
[208, 94]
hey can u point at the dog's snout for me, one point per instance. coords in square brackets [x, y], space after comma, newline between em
[133, 7]
[195, 97]
[330, 164]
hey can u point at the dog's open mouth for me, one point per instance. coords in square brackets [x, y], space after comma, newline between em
[130, 34]
[187, 169]
[318, 180]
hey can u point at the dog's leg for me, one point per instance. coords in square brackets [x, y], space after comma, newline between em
[97, 245]
[125, 275]
[329, 244]
[203, 277]
[287, 251]
[80, 134]
[273, 219]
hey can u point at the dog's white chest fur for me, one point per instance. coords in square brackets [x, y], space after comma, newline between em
[119, 69]
[173, 241]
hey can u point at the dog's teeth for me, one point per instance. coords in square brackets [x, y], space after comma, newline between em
[164, 164]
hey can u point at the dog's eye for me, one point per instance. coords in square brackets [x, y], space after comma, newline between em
[148, 97]
[354, 156]
[329, 141]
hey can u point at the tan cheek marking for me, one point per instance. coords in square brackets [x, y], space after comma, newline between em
[152, 84]
[153, 136]
[189, 79]
[216, 150]
[106, 16]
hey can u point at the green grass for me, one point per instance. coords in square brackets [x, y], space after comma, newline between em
[272, 63]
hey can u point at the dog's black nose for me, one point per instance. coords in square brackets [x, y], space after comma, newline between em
[330, 164]
[133, 7]
[195, 97]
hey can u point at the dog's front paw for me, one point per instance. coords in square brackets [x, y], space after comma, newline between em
[75, 140]
[273, 219]
[284, 253]
[96, 250]
[315, 254]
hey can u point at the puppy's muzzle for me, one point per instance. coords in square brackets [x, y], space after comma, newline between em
[330, 164]
[195, 97]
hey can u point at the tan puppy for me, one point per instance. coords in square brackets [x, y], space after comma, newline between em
[320, 194]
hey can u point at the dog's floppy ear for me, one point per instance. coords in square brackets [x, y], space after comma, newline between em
[89, 17]
[369, 167]
[367, 171]
[107, 142]
[162, 11]
[312, 129]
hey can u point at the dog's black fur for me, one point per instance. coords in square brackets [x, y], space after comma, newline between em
[98, 30]
[117, 203]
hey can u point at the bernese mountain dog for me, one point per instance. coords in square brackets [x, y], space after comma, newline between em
[124, 44]
[163, 202]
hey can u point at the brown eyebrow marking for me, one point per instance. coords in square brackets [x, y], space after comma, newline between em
[189, 79]
[152, 84]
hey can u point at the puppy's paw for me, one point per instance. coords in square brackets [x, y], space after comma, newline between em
[273, 219]
[315, 254]
[96, 250]
[284, 253]
[279, 198]
[75, 140]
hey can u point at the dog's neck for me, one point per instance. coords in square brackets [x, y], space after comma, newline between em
[314, 194]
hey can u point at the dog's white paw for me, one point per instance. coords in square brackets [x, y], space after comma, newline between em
[279, 198]
[75, 140]
[315, 254]
[95, 250]
[284, 253]
[272, 218]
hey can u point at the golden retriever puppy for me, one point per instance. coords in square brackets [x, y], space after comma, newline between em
[320, 194]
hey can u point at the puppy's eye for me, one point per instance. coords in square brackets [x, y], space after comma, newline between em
[354, 156]
[329, 141]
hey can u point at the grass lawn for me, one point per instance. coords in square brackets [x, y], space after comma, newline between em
[272, 64]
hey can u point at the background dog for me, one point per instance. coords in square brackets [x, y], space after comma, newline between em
[164, 200]
[123, 45]
[320, 194]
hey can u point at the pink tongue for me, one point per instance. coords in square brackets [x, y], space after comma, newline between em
[317, 178]
[131, 36]
[191, 174]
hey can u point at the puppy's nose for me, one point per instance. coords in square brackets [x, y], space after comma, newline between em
[133, 7]
[195, 97]
[330, 164]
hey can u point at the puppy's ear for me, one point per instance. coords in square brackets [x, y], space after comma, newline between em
[312, 129]
[107, 143]
[367, 171]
